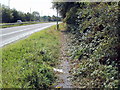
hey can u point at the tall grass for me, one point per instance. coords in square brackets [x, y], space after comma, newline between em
[28, 63]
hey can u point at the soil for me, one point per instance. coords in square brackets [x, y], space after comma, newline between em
[63, 80]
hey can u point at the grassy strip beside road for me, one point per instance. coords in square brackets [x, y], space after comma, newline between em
[19, 24]
[28, 63]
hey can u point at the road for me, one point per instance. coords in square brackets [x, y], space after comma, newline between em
[9, 35]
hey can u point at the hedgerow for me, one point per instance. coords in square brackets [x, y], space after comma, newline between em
[94, 37]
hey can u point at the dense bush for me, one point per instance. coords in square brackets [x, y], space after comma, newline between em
[94, 43]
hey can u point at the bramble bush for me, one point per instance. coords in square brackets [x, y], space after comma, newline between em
[94, 39]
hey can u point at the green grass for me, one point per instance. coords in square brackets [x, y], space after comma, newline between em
[29, 63]
[6, 26]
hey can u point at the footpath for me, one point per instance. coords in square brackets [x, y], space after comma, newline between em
[63, 69]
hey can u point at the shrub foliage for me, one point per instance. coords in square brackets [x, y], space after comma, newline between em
[94, 33]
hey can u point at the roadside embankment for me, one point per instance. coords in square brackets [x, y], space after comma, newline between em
[29, 63]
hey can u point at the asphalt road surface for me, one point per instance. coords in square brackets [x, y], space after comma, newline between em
[9, 35]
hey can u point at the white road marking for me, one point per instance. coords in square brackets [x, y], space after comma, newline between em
[21, 36]
[15, 32]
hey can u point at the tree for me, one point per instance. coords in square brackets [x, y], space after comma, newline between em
[54, 18]
[6, 14]
[16, 15]
[28, 16]
[36, 16]
[63, 7]
[68, 12]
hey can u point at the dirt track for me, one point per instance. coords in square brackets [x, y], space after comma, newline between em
[64, 76]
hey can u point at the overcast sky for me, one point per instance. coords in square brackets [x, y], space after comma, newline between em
[44, 7]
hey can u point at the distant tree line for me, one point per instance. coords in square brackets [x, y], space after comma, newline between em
[12, 15]
[49, 18]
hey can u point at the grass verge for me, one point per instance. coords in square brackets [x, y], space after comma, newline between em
[28, 63]
[6, 26]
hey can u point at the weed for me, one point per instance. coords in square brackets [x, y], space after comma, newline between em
[29, 63]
